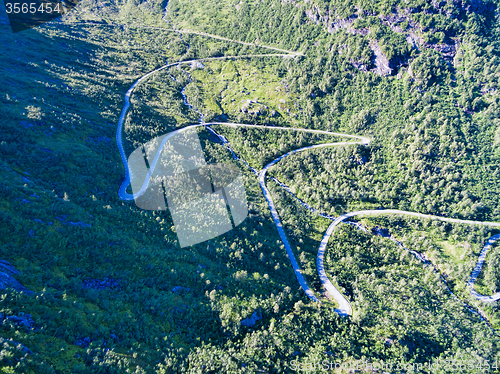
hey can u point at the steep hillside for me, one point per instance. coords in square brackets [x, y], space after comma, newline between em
[92, 284]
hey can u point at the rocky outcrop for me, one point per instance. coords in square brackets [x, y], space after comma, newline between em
[180, 290]
[382, 64]
[7, 280]
[381, 231]
[256, 108]
[395, 21]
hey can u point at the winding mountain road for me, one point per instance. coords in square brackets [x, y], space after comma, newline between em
[123, 194]
[477, 271]
[344, 307]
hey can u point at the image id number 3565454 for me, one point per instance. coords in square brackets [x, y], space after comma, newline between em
[33, 8]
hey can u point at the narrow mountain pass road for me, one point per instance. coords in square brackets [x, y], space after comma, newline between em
[276, 218]
[123, 194]
[344, 305]
[477, 271]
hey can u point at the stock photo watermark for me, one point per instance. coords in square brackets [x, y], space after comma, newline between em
[452, 366]
[25, 14]
[204, 200]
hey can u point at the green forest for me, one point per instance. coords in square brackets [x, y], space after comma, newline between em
[93, 284]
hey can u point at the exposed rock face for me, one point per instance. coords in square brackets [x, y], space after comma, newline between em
[394, 21]
[381, 61]
[197, 65]
[7, 280]
[254, 107]
[333, 25]
[7, 266]
[381, 231]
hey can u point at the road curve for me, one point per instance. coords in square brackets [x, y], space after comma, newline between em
[477, 271]
[344, 306]
[123, 194]
[276, 218]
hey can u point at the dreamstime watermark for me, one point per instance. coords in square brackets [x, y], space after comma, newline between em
[451, 366]
[204, 200]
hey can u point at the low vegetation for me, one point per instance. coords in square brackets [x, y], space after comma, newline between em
[109, 288]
